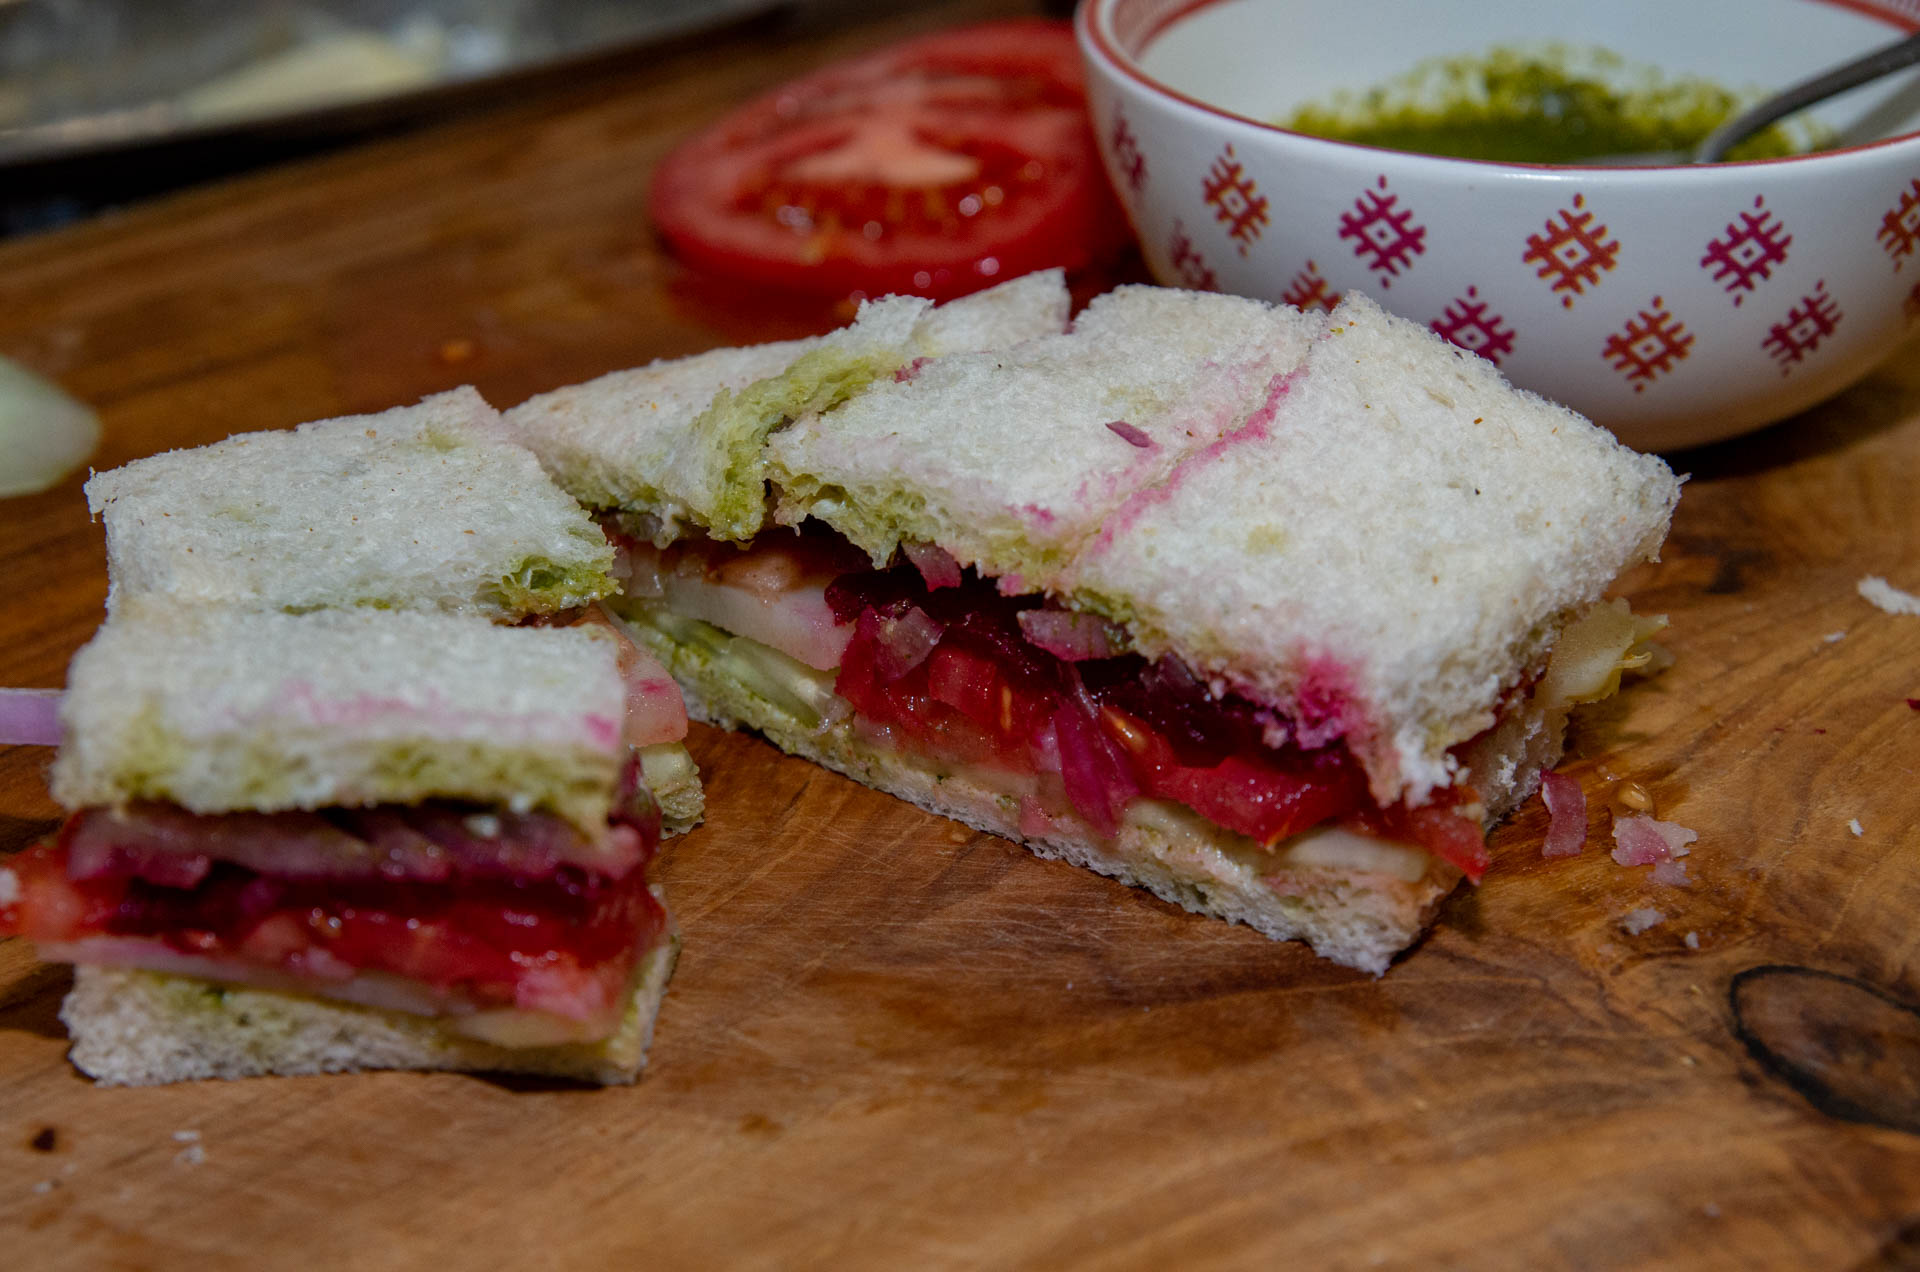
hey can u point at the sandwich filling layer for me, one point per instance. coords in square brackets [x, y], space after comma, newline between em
[1048, 707]
[515, 928]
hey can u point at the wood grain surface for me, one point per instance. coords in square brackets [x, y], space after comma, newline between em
[896, 1043]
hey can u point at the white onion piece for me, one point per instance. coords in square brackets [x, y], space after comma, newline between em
[796, 620]
[1592, 652]
[29, 717]
[44, 434]
[1340, 849]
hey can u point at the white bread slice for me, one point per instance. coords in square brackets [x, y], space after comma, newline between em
[1356, 917]
[679, 441]
[1011, 459]
[429, 506]
[1387, 555]
[217, 710]
[135, 1028]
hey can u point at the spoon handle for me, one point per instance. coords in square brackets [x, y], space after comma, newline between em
[1892, 57]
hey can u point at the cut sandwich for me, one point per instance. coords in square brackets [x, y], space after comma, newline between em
[432, 506]
[347, 840]
[424, 506]
[679, 446]
[1271, 613]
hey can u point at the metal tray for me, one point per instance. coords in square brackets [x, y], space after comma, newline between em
[83, 76]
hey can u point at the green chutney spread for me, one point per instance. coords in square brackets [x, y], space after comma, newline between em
[1550, 106]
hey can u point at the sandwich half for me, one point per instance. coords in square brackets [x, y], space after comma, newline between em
[347, 840]
[1271, 613]
[426, 507]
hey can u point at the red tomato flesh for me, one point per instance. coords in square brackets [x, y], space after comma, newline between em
[936, 167]
[496, 940]
[1113, 728]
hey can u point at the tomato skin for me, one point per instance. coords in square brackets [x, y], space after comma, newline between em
[936, 167]
[1110, 728]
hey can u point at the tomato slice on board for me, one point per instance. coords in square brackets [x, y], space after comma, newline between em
[935, 167]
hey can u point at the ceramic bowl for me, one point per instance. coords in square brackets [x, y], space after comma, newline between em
[1676, 305]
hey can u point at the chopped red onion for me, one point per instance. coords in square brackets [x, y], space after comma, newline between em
[29, 717]
[935, 563]
[92, 856]
[1642, 841]
[1099, 783]
[1567, 812]
[1132, 435]
[1072, 636]
[904, 642]
[172, 847]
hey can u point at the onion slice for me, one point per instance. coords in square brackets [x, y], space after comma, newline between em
[44, 434]
[1642, 841]
[1071, 635]
[29, 717]
[935, 563]
[1567, 810]
[902, 642]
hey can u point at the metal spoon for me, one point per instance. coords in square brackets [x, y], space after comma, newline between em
[1870, 66]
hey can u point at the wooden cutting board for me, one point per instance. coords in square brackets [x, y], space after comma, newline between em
[895, 1043]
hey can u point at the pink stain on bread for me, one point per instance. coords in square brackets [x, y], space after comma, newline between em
[434, 714]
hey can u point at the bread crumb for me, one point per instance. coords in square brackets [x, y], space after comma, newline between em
[186, 1137]
[1640, 920]
[1832, 637]
[191, 1155]
[1886, 596]
[1853, 824]
[9, 887]
[1693, 940]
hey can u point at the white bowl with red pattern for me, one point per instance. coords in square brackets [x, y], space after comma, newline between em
[1674, 305]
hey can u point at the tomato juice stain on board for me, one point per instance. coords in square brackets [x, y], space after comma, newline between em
[936, 167]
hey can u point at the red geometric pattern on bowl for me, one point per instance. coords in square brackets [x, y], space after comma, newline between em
[1900, 227]
[1384, 234]
[1574, 252]
[1807, 324]
[1564, 260]
[1235, 199]
[1748, 250]
[1126, 152]
[1649, 345]
[1309, 288]
[1191, 267]
[1470, 323]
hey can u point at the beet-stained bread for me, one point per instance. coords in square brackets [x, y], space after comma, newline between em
[1269, 612]
[343, 840]
[426, 507]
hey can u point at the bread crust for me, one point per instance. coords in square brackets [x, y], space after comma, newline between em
[137, 1028]
[1360, 920]
[217, 710]
[430, 506]
[679, 441]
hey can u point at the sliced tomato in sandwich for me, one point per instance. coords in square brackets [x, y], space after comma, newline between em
[935, 167]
